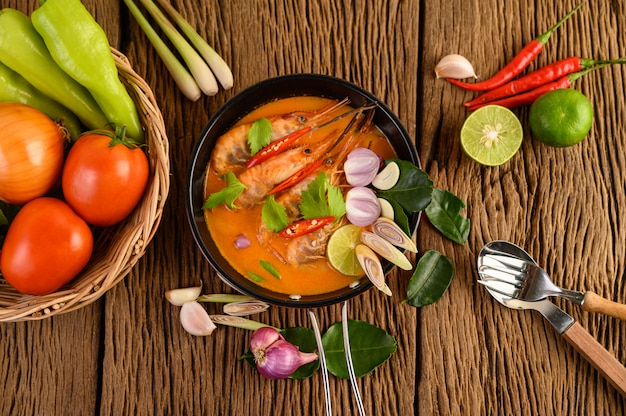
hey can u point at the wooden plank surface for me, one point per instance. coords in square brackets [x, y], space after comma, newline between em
[466, 354]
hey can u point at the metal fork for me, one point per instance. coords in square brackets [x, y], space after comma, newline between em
[524, 280]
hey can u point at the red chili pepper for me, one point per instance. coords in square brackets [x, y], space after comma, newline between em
[539, 77]
[517, 64]
[303, 227]
[529, 97]
[276, 147]
[297, 177]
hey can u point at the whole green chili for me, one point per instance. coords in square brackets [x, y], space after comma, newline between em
[14, 88]
[80, 46]
[23, 50]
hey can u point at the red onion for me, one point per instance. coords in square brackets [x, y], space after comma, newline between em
[361, 166]
[241, 241]
[362, 207]
[275, 357]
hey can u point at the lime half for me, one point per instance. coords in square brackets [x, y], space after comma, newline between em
[491, 135]
[340, 250]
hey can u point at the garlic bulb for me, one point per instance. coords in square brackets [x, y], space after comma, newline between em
[454, 66]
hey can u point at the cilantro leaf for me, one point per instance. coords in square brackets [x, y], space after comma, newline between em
[259, 135]
[274, 215]
[227, 195]
[322, 199]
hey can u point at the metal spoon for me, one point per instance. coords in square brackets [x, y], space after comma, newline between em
[605, 363]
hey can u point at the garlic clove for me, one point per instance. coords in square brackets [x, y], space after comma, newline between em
[370, 263]
[392, 232]
[196, 320]
[385, 249]
[454, 66]
[180, 296]
[388, 177]
[386, 210]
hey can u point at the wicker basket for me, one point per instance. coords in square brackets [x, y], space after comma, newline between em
[116, 249]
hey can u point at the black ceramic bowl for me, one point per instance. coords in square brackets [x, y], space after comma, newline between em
[242, 104]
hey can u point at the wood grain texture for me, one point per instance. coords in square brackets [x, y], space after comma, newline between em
[464, 355]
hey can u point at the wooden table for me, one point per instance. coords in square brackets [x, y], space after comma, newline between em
[126, 354]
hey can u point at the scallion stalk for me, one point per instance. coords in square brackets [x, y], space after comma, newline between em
[220, 68]
[182, 77]
[196, 64]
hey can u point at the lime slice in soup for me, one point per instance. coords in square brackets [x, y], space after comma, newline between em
[491, 135]
[340, 250]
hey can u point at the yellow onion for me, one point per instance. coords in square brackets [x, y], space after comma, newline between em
[31, 153]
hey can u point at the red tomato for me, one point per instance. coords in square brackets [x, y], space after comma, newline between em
[46, 246]
[103, 179]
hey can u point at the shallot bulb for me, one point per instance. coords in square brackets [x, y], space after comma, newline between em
[362, 206]
[361, 166]
[275, 357]
[454, 66]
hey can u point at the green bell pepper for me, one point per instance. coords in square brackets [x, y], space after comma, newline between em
[23, 50]
[14, 88]
[79, 45]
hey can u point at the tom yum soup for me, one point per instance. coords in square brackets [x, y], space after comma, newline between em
[291, 197]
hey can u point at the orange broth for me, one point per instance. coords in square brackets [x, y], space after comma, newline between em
[225, 225]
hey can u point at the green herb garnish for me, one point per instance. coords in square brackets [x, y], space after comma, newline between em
[274, 215]
[255, 277]
[227, 195]
[259, 135]
[269, 267]
[322, 199]
[413, 189]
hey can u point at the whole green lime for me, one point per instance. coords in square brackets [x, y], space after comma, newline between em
[561, 118]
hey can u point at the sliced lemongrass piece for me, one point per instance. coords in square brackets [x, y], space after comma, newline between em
[220, 68]
[386, 210]
[385, 249]
[392, 232]
[196, 320]
[183, 79]
[197, 66]
[223, 298]
[370, 263]
[239, 322]
[245, 308]
[182, 295]
[388, 177]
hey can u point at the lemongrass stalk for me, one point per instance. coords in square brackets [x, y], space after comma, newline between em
[198, 68]
[238, 322]
[223, 298]
[220, 68]
[182, 77]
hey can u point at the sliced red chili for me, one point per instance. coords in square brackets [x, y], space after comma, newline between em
[297, 177]
[277, 147]
[302, 227]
